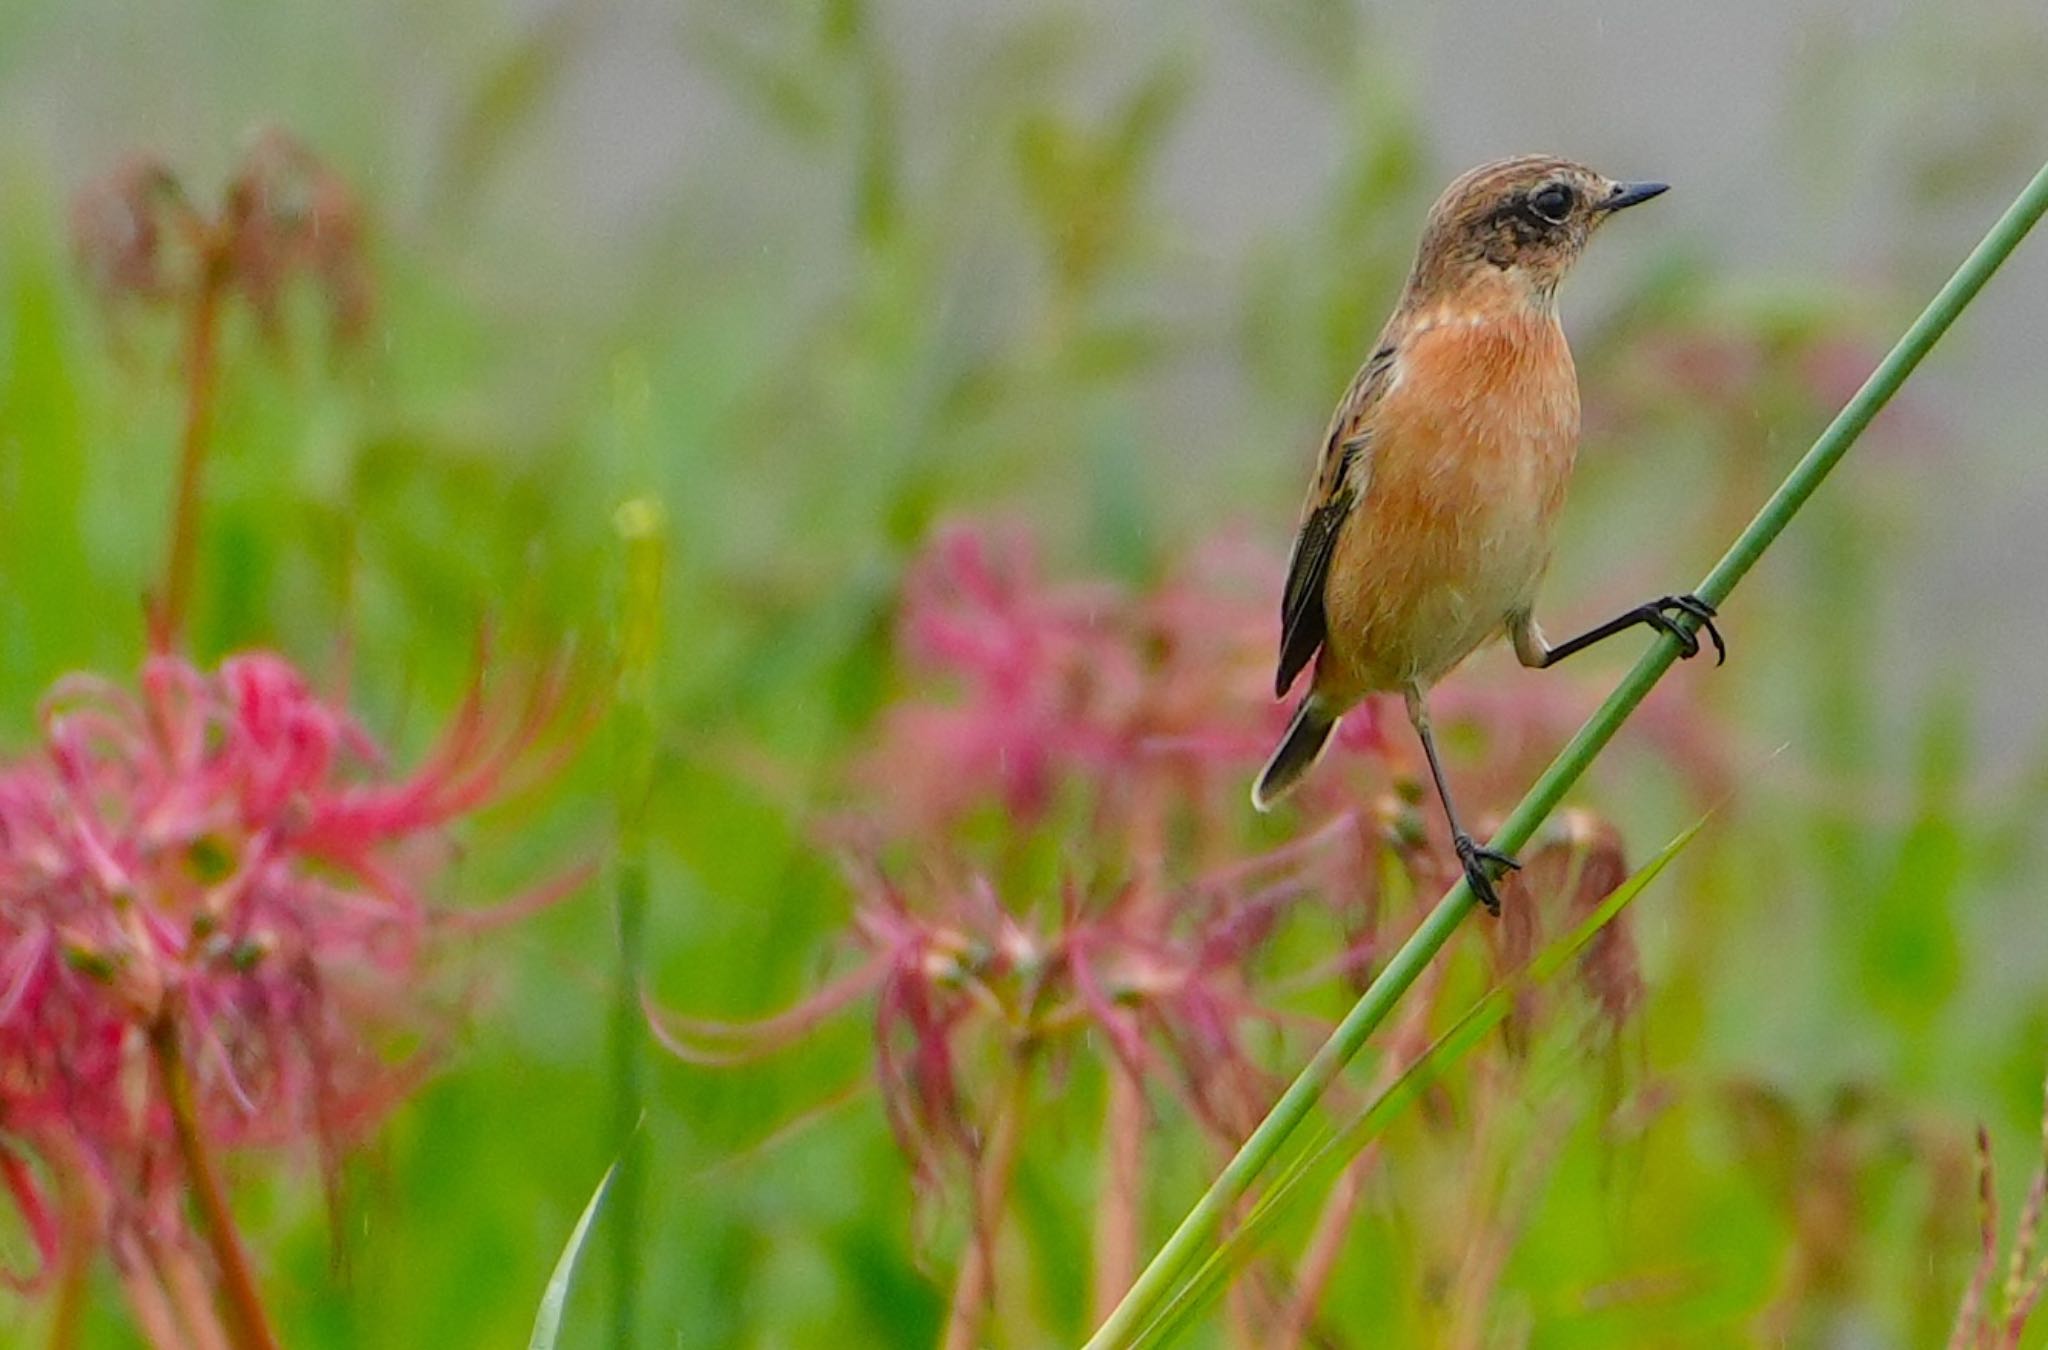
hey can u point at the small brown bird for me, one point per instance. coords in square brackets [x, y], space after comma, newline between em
[1428, 524]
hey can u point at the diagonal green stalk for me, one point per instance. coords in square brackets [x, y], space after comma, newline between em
[1159, 1280]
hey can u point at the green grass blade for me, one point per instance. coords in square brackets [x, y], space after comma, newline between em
[643, 526]
[1319, 1164]
[547, 1323]
[1198, 1229]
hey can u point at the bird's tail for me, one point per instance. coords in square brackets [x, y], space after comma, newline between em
[1299, 749]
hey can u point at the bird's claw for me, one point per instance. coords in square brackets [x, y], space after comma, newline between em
[1688, 643]
[1479, 862]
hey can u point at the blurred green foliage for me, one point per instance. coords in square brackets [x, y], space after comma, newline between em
[1846, 970]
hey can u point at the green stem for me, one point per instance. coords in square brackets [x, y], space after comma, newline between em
[1205, 1220]
[628, 1094]
[641, 524]
[202, 364]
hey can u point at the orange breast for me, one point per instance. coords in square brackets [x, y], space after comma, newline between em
[1471, 450]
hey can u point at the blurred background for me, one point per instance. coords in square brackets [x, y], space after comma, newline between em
[820, 277]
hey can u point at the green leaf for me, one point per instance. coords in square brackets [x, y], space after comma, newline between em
[547, 1323]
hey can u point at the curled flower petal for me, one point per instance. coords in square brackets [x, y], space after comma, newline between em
[703, 1041]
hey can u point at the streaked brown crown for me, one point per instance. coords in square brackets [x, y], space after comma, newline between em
[1530, 216]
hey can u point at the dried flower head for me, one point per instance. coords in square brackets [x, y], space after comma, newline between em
[284, 216]
[1576, 863]
[118, 224]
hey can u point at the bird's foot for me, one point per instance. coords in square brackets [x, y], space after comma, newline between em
[1480, 865]
[1656, 616]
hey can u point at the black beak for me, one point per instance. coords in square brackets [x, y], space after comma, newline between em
[1629, 194]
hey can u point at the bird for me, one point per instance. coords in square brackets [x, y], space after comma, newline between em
[1429, 520]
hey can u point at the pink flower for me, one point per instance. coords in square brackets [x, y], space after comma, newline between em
[1028, 693]
[964, 978]
[1057, 855]
[1040, 677]
[224, 859]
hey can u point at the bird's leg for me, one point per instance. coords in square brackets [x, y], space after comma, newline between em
[1477, 858]
[1531, 649]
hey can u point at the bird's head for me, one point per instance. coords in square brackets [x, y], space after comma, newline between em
[1516, 223]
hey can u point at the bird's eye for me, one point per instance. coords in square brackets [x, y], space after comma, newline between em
[1552, 202]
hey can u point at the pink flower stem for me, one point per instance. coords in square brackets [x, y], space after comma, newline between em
[71, 1286]
[1118, 1213]
[189, 1291]
[152, 1308]
[83, 1209]
[202, 346]
[1325, 1246]
[975, 1286]
[247, 1322]
[1326, 1243]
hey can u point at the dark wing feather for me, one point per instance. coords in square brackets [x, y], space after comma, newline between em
[1302, 625]
[1341, 479]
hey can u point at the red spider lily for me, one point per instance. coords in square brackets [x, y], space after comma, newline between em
[1037, 688]
[213, 913]
[1153, 709]
[954, 970]
[1044, 682]
[216, 867]
[1115, 732]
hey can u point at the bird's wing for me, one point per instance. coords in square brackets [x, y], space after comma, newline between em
[1341, 480]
